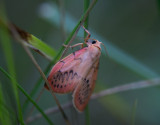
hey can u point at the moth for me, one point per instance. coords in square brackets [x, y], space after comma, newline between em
[77, 73]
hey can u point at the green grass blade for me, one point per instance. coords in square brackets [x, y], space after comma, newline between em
[28, 96]
[35, 104]
[7, 49]
[40, 45]
[4, 113]
[87, 116]
[86, 5]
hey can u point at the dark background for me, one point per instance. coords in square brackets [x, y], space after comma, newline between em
[131, 25]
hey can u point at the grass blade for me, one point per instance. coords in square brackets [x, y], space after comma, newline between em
[6, 45]
[4, 113]
[87, 116]
[29, 98]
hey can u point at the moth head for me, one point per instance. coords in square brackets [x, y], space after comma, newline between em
[94, 42]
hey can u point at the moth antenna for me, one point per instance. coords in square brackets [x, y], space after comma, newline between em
[88, 36]
[105, 49]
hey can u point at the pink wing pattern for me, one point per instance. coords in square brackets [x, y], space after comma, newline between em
[64, 76]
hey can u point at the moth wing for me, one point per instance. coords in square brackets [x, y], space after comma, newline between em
[64, 75]
[83, 91]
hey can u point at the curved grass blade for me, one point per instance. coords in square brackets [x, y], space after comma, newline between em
[28, 96]
[6, 45]
[38, 44]
[4, 113]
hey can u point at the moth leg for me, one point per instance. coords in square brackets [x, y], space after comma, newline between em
[66, 46]
[88, 36]
[78, 44]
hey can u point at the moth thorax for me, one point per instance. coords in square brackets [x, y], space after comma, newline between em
[95, 52]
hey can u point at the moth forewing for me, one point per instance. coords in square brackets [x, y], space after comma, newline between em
[64, 76]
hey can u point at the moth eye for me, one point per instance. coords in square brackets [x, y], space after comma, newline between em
[93, 42]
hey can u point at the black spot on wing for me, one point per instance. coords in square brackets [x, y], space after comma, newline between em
[65, 75]
[60, 78]
[75, 74]
[71, 73]
[87, 81]
[57, 85]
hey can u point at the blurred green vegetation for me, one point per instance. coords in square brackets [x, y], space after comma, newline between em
[129, 29]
